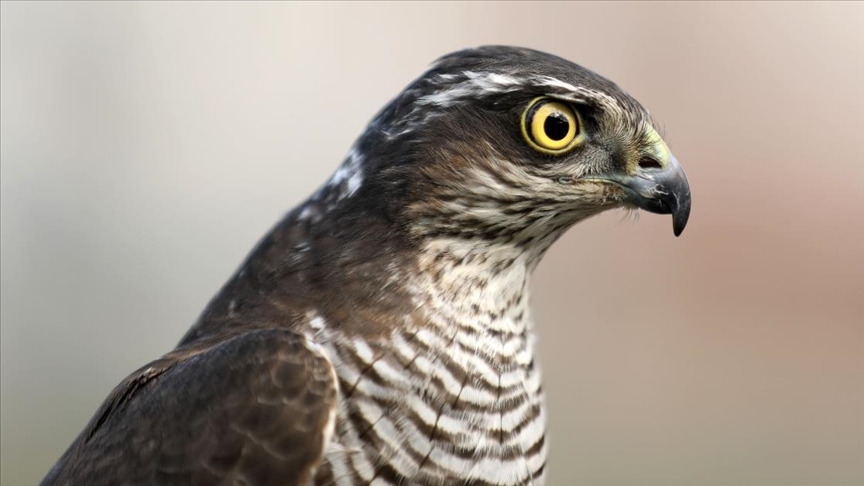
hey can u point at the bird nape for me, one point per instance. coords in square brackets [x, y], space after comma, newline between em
[380, 333]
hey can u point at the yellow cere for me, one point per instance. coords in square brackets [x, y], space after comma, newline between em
[550, 126]
[657, 147]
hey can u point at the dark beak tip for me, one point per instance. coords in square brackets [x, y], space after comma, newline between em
[680, 214]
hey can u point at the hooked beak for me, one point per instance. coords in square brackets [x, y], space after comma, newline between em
[659, 190]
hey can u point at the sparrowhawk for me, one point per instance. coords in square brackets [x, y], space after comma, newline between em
[380, 333]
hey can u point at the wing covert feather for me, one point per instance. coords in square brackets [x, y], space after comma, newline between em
[252, 410]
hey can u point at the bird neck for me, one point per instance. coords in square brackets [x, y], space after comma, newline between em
[473, 283]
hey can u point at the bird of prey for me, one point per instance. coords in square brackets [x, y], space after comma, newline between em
[380, 333]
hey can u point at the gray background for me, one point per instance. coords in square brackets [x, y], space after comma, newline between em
[147, 146]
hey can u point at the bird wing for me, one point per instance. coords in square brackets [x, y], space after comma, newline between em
[255, 409]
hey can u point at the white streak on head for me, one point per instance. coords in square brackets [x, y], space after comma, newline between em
[446, 98]
[493, 82]
[474, 85]
[578, 93]
[354, 182]
[350, 173]
[479, 84]
[306, 213]
[554, 83]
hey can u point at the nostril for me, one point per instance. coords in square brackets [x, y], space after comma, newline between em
[649, 163]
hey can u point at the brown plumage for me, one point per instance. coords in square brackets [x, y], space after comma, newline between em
[381, 332]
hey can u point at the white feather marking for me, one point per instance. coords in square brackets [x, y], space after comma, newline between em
[350, 173]
[392, 438]
[372, 389]
[533, 432]
[489, 469]
[393, 376]
[475, 84]
[317, 323]
[363, 467]
[364, 352]
[307, 212]
[477, 396]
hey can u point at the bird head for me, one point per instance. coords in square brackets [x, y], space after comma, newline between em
[511, 144]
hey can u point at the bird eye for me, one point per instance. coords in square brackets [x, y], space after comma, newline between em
[551, 126]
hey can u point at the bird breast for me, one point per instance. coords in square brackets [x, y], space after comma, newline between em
[453, 394]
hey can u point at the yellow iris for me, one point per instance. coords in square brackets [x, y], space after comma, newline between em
[551, 126]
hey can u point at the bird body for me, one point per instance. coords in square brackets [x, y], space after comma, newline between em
[381, 333]
[451, 395]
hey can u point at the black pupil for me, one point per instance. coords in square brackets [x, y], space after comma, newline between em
[556, 126]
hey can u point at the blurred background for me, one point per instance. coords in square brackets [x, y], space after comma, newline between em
[147, 146]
